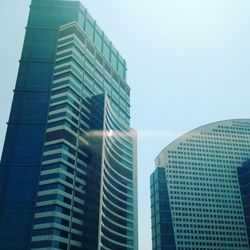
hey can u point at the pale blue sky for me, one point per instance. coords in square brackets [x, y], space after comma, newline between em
[188, 65]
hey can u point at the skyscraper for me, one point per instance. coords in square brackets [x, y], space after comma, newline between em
[68, 174]
[199, 192]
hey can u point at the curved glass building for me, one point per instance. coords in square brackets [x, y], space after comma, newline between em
[118, 175]
[196, 199]
[88, 177]
[68, 174]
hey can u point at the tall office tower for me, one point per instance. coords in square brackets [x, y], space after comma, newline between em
[198, 198]
[68, 174]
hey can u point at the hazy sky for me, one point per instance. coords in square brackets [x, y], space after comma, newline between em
[188, 65]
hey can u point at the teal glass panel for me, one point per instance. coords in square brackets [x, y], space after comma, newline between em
[89, 30]
[114, 60]
[106, 50]
[98, 41]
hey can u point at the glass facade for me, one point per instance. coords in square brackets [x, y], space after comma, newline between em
[244, 180]
[161, 219]
[203, 186]
[87, 166]
[20, 162]
[68, 171]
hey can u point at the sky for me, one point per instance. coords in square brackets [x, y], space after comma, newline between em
[188, 65]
